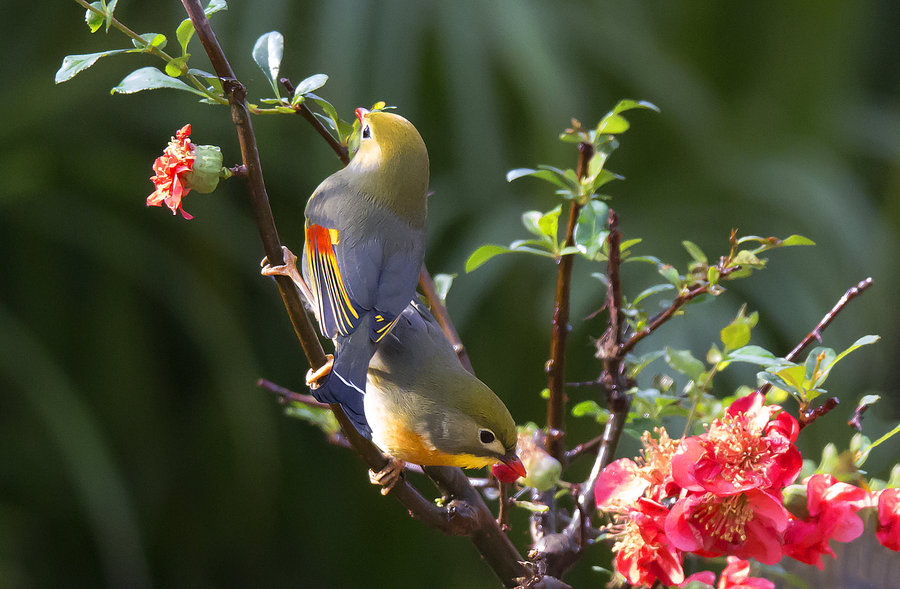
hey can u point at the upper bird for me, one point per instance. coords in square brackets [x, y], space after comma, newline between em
[365, 244]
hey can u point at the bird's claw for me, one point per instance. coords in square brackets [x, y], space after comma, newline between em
[388, 476]
[313, 377]
[288, 268]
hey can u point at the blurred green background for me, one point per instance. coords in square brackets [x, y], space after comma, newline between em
[135, 450]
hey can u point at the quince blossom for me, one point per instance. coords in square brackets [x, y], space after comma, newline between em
[888, 532]
[169, 168]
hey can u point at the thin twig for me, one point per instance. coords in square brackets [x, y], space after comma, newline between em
[306, 113]
[556, 402]
[582, 449]
[816, 334]
[426, 283]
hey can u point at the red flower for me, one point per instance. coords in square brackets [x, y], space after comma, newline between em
[832, 516]
[888, 532]
[176, 160]
[737, 576]
[643, 552]
[745, 450]
[747, 525]
[619, 486]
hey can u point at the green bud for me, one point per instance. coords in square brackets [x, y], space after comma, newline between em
[204, 176]
[543, 471]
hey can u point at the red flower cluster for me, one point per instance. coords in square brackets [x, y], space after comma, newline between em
[169, 168]
[720, 493]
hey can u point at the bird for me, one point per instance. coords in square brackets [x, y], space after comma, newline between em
[364, 248]
[424, 407]
[421, 405]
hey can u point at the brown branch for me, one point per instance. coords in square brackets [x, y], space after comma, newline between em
[556, 403]
[582, 449]
[426, 283]
[306, 113]
[467, 513]
[816, 333]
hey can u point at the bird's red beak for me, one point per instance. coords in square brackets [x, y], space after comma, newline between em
[360, 113]
[515, 465]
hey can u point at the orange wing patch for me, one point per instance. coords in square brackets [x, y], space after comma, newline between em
[336, 310]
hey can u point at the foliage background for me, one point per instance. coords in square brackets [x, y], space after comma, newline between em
[135, 449]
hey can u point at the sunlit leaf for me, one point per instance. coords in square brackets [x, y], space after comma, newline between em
[150, 78]
[483, 254]
[314, 82]
[864, 455]
[753, 355]
[530, 219]
[442, 283]
[684, 362]
[549, 223]
[184, 33]
[655, 289]
[93, 19]
[695, 252]
[74, 64]
[267, 53]
[214, 6]
[797, 240]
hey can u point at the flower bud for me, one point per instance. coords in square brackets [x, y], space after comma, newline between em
[207, 169]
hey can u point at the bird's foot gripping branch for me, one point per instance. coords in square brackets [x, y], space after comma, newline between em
[720, 476]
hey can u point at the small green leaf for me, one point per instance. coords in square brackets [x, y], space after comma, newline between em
[94, 20]
[74, 64]
[712, 275]
[267, 53]
[178, 65]
[864, 455]
[157, 40]
[549, 175]
[590, 230]
[531, 506]
[684, 362]
[214, 6]
[150, 78]
[695, 252]
[549, 223]
[671, 274]
[612, 124]
[657, 288]
[483, 254]
[110, 9]
[314, 82]
[797, 240]
[442, 283]
[748, 259]
[753, 355]
[184, 33]
[531, 221]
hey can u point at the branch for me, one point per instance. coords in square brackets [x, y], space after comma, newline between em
[465, 515]
[816, 333]
[556, 403]
[443, 318]
[306, 113]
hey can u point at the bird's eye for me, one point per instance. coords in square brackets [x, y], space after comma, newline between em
[487, 436]
[366, 132]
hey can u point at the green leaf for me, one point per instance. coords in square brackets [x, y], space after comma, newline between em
[549, 223]
[695, 252]
[184, 33]
[671, 274]
[214, 6]
[549, 175]
[150, 78]
[611, 124]
[314, 82]
[864, 455]
[267, 53]
[531, 506]
[590, 229]
[483, 254]
[74, 64]
[93, 20]
[589, 407]
[157, 40]
[712, 275]
[685, 363]
[657, 288]
[737, 333]
[442, 283]
[753, 355]
[636, 365]
[530, 219]
[797, 240]
[178, 65]
[110, 9]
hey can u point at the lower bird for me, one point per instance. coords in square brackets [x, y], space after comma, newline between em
[421, 405]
